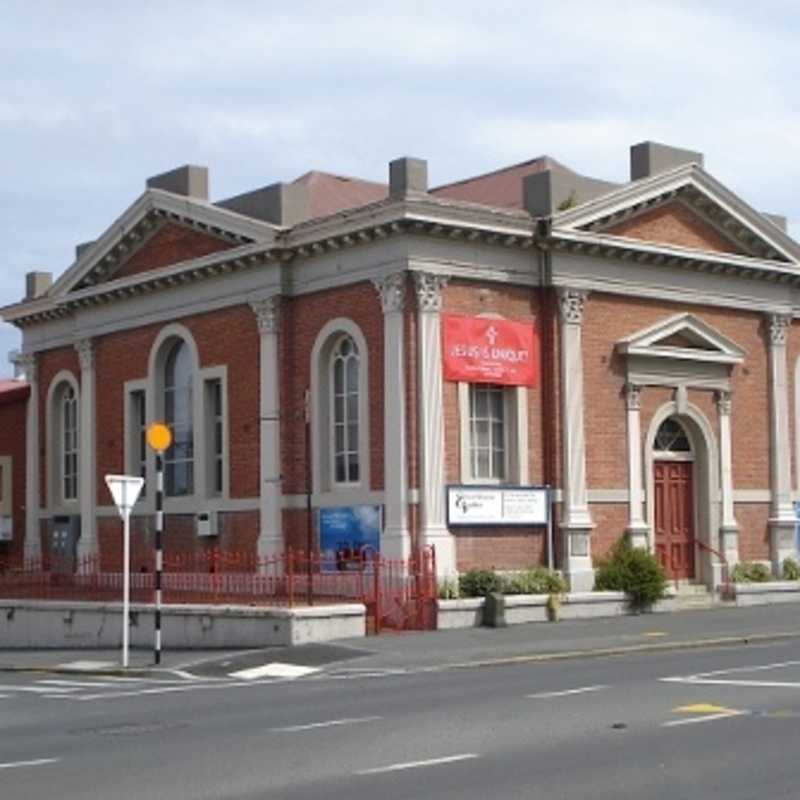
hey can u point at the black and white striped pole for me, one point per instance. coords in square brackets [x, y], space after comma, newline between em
[159, 437]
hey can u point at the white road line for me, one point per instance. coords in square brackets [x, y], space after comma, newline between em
[708, 718]
[327, 724]
[4, 696]
[431, 762]
[566, 692]
[38, 762]
[76, 684]
[695, 681]
[35, 689]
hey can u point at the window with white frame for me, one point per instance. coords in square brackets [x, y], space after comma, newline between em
[68, 442]
[488, 446]
[178, 379]
[215, 443]
[138, 435]
[493, 433]
[344, 385]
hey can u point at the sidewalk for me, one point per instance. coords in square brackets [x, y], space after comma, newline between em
[457, 648]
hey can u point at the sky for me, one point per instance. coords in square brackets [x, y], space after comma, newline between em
[96, 97]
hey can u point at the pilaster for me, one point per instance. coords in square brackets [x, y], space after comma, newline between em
[431, 416]
[576, 521]
[728, 529]
[396, 542]
[270, 539]
[33, 543]
[637, 530]
[87, 481]
[782, 519]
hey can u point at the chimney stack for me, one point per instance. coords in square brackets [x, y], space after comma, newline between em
[408, 176]
[37, 283]
[188, 180]
[650, 158]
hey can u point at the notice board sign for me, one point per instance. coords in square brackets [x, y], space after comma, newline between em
[494, 505]
[484, 350]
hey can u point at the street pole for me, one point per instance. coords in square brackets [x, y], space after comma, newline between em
[159, 551]
[126, 582]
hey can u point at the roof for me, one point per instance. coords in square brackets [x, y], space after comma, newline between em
[501, 187]
[329, 193]
[12, 389]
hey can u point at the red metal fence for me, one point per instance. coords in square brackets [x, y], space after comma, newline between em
[398, 595]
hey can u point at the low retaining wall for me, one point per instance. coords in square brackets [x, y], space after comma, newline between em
[761, 594]
[524, 608]
[76, 625]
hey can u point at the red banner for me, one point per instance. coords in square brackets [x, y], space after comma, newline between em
[483, 350]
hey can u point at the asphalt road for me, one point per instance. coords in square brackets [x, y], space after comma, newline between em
[708, 723]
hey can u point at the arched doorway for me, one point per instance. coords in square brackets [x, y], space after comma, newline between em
[674, 496]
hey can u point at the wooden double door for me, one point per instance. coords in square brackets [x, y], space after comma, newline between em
[674, 517]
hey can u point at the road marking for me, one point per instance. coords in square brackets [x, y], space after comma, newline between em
[702, 708]
[698, 681]
[88, 666]
[581, 690]
[38, 762]
[276, 669]
[76, 684]
[655, 634]
[708, 718]
[4, 696]
[431, 762]
[35, 689]
[327, 724]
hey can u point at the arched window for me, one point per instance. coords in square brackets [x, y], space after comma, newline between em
[672, 438]
[345, 365]
[179, 458]
[68, 441]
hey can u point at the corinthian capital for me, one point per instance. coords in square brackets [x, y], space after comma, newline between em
[85, 353]
[392, 291]
[26, 362]
[779, 328]
[429, 290]
[267, 311]
[570, 305]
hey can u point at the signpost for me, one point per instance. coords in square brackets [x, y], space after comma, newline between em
[159, 437]
[125, 490]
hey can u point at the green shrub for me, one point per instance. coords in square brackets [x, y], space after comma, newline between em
[479, 583]
[751, 572]
[535, 580]
[633, 571]
[791, 570]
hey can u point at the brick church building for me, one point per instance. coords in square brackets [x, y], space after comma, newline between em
[359, 345]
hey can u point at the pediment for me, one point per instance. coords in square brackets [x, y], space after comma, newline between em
[686, 208]
[683, 337]
[159, 230]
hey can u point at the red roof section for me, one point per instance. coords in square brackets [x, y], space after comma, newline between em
[12, 390]
[502, 188]
[332, 193]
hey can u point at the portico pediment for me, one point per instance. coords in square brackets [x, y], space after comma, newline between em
[682, 208]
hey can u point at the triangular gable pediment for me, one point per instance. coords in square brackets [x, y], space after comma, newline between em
[684, 207]
[683, 337]
[158, 230]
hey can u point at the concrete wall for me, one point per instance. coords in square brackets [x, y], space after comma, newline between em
[45, 624]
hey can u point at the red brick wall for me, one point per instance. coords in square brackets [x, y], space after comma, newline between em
[171, 245]
[12, 443]
[753, 531]
[302, 319]
[506, 548]
[673, 223]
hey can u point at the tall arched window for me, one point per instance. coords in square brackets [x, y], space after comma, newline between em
[68, 442]
[345, 364]
[179, 458]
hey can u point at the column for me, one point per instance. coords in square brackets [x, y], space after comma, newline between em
[638, 530]
[396, 542]
[728, 529]
[270, 503]
[576, 523]
[431, 422]
[87, 486]
[782, 520]
[33, 542]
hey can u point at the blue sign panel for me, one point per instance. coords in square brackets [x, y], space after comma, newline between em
[349, 536]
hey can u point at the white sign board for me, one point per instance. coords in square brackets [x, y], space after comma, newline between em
[488, 505]
[125, 490]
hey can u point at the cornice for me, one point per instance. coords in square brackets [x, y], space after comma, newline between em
[618, 247]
